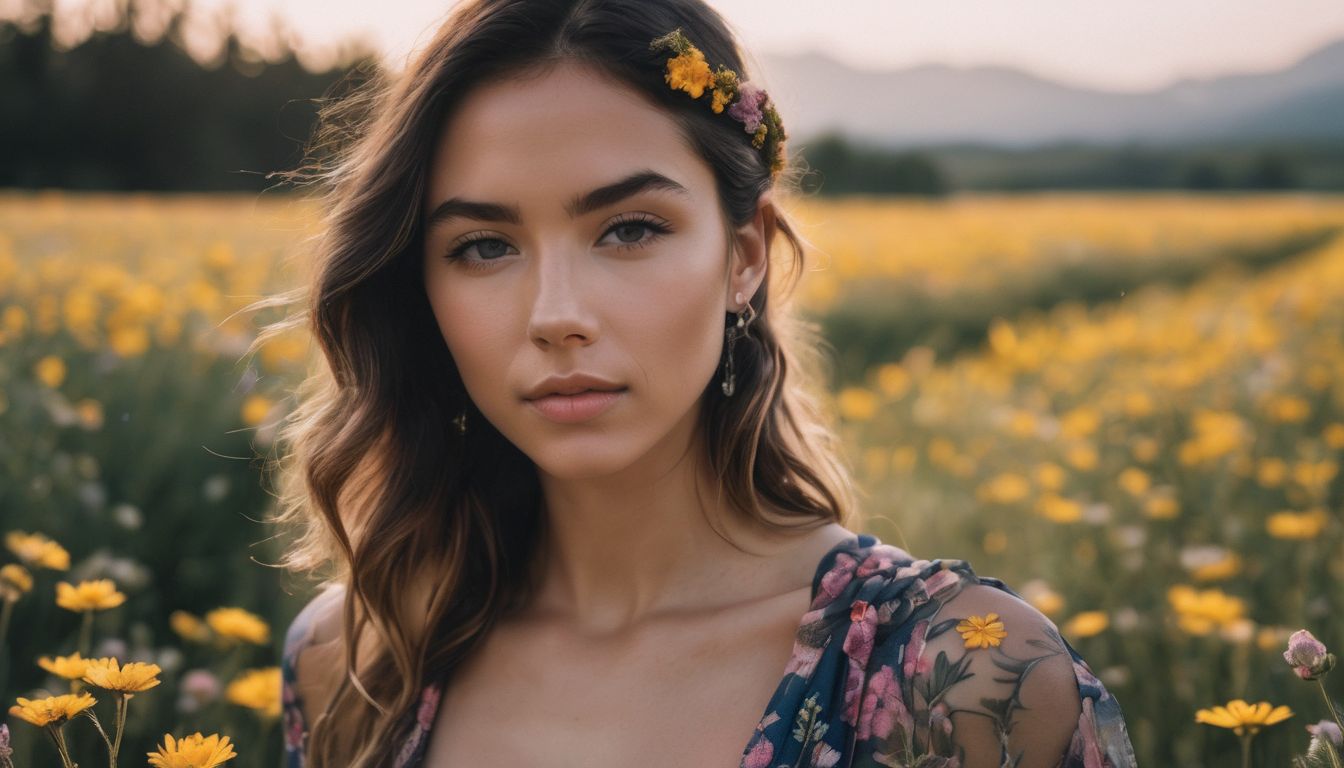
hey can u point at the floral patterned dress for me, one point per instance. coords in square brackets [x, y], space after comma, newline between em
[900, 662]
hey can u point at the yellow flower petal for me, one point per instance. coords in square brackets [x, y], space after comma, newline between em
[133, 677]
[53, 710]
[238, 624]
[70, 667]
[257, 689]
[982, 632]
[194, 751]
[95, 595]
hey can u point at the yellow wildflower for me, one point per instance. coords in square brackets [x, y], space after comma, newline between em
[982, 632]
[38, 550]
[50, 370]
[995, 541]
[1334, 435]
[90, 413]
[1200, 611]
[132, 677]
[257, 689]
[1005, 488]
[1087, 624]
[1242, 717]
[1082, 456]
[1294, 525]
[857, 404]
[95, 595]
[194, 751]
[893, 380]
[1161, 507]
[238, 624]
[1134, 481]
[1271, 472]
[1059, 509]
[255, 408]
[189, 626]
[1045, 600]
[70, 667]
[1050, 476]
[690, 72]
[1288, 409]
[53, 710]
[14, 581]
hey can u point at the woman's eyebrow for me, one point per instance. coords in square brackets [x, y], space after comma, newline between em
[603, 196]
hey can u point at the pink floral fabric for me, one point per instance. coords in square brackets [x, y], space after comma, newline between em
[855, 692]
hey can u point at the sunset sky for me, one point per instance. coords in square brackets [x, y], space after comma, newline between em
[1121, 46]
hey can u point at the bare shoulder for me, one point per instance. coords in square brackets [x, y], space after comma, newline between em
[1006, 676]
[313, 647]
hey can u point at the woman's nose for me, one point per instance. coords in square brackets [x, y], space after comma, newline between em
[561, 313]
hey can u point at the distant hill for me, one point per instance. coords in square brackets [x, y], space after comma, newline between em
[938, 104]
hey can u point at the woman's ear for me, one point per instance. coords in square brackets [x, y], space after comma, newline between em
[752, 254]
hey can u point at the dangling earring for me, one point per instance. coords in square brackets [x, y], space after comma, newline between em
[744, 318]
[461, 421]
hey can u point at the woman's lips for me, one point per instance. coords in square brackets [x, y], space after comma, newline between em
[568, 409]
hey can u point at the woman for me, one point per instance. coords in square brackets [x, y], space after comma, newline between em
[564, 455]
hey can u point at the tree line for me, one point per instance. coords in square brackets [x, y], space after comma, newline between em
[117, 113]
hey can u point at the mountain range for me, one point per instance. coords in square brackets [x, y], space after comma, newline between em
[996, 105]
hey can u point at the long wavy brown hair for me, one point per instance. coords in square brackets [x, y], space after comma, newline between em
[436, 535]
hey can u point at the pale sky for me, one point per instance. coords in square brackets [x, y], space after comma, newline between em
[1122, 46]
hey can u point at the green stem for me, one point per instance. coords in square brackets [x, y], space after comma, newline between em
[1246, 751]
[86, 634]
[58, 738]
[5, 611]
[1329, 705]
[106, 741]
[122, 698]
[1330, 750]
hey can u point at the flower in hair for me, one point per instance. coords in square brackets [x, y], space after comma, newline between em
[747, 110]
[689, 71]
[744, 101]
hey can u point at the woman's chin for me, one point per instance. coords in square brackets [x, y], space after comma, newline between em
[582, 458]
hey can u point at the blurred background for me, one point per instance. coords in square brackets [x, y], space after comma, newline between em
[1081, 265]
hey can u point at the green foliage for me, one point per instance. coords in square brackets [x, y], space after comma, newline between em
[116, 114]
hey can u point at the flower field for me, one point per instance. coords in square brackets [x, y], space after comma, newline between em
[1129, 408]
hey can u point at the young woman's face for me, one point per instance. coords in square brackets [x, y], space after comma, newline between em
[543, 259]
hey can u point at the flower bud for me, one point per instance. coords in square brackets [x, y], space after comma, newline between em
[1308, 656]
[1327, 730]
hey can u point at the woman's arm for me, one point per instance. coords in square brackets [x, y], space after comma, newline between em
[1019, 703]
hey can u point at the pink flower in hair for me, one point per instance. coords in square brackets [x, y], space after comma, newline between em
[747, 108]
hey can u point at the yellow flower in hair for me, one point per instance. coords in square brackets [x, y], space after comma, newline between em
[725, 88]
[690, 73]
[982, 632]
[721, 98]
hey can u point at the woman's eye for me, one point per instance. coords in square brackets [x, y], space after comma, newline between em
[489, 248]
[629, 233]
[635, 232]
